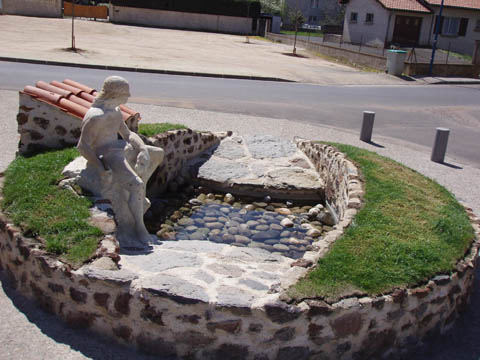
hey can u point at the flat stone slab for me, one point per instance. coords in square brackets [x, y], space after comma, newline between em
[260, 165]
[194, 271]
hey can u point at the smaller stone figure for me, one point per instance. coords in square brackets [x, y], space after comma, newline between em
[123, 167]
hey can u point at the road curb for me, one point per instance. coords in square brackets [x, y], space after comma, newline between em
[474, 82]
[142, 70]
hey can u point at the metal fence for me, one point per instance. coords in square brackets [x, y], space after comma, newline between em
[415, 55]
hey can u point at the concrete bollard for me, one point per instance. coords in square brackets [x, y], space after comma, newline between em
[367, 126]
[440, 145]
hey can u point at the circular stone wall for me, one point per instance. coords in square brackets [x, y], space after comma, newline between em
[215, 301]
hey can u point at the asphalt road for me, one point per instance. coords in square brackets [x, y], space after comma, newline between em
[410, 112]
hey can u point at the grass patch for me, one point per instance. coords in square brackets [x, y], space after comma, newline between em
[33, 201]
[154, 129]
[465, 57]
[301, 33]
[410, 229]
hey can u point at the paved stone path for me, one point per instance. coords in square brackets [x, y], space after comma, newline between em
[209, 272]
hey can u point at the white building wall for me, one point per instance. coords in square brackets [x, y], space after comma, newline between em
[462, 44]
[41, 8]
[371, 34]
[180, 20]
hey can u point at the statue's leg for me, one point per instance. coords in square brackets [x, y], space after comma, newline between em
[133, 186]
[156, 158]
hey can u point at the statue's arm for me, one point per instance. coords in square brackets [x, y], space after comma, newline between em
[86, 145]
[132, 138]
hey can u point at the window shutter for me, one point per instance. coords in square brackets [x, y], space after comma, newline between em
[463, 27]
[441, 25]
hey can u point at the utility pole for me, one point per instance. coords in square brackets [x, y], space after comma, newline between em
[434, 46]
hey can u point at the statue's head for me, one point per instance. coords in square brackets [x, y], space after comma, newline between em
[115, 91]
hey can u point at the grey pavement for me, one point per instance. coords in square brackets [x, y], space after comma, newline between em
[27, 332]
[102, 44]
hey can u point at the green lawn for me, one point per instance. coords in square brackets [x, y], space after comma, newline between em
[152, 129]
[410, 229]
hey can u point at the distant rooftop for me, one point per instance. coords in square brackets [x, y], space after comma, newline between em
[464, 4]
[405, 5]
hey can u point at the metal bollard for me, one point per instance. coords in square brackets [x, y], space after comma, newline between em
[440, 145]
[367, 126]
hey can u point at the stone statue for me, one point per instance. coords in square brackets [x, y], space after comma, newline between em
[121, 168]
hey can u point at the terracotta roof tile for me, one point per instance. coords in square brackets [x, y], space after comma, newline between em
[404, 5]
[466, 4]
[71, 96]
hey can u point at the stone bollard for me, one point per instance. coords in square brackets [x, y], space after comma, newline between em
[440, 145]
[367, 126]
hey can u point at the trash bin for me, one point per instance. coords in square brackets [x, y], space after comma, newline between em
[396, 61]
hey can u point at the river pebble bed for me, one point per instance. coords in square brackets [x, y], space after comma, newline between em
[284, 228]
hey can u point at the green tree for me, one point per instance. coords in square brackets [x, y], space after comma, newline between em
[274, 7]
[296, 17]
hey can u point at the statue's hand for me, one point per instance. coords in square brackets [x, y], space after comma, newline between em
[143, 160]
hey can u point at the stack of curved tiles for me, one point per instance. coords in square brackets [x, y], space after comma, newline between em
[50, 114]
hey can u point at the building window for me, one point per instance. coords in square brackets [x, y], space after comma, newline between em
[312, 19]
[369, 18]
[314, 4]
[451, 26]
[353, 17]
[477, 26]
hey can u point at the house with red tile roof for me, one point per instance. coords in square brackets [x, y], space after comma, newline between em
[413, 23]
[459, 26]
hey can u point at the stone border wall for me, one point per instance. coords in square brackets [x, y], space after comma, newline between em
[179, 146]
[343, 185]
[165, 324]
[44, 126]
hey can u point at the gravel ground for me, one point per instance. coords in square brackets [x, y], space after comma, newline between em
[29, 333]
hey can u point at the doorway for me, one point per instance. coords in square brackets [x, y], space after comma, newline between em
[407, 30]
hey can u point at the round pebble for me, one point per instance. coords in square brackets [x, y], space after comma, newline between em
[262, 227]
[287, 222]
[283, 211]
[276, 227]
[314, 233]
[252, 223]
[281, 247]
[242, 239]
